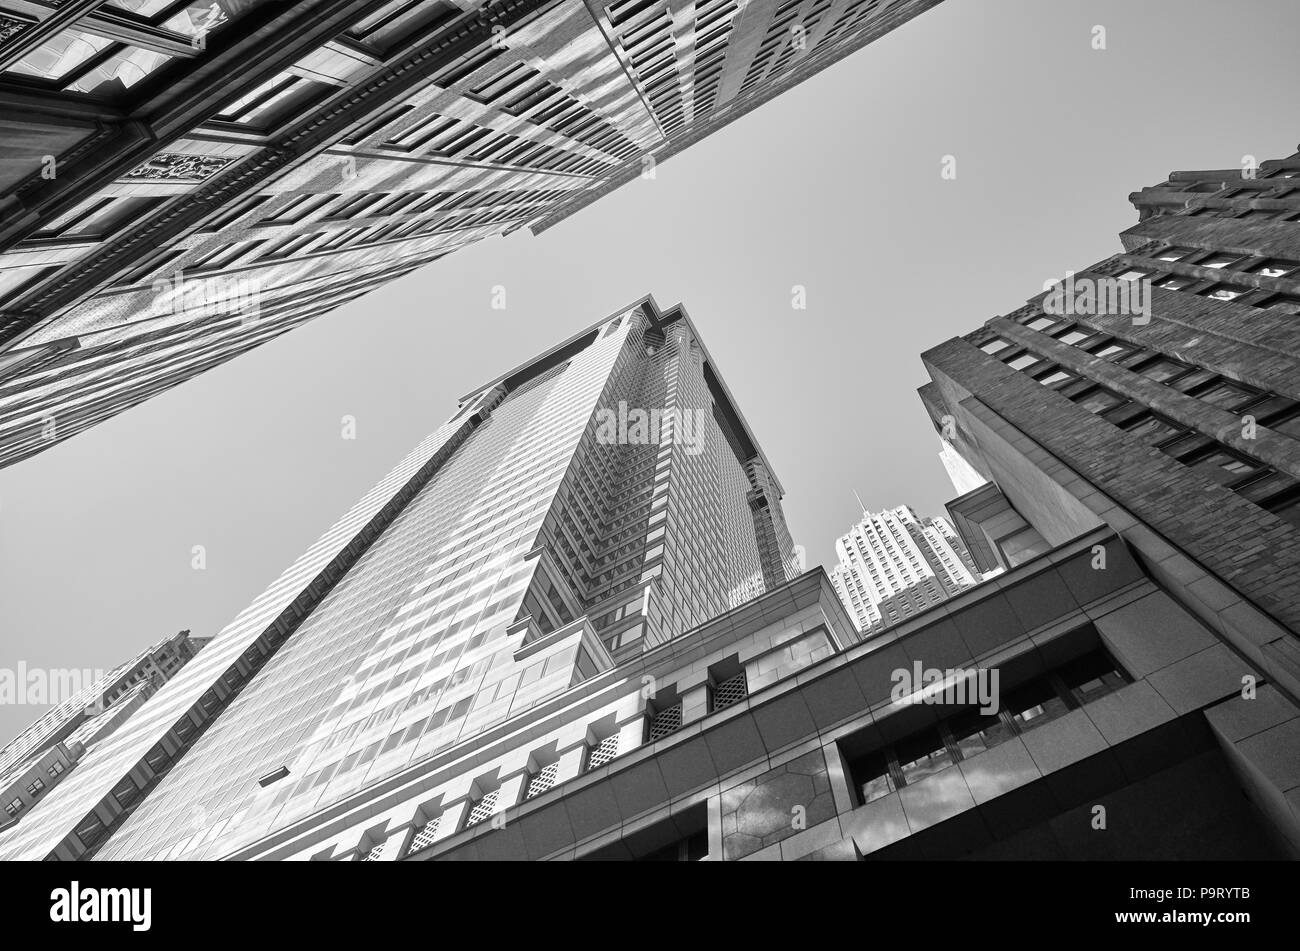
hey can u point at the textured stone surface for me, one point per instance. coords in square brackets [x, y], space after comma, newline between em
[763, 811]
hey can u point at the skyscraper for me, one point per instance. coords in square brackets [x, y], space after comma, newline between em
[182, 181]
[1158, 393]
[571, 515]
[41, 755]
[893, 565]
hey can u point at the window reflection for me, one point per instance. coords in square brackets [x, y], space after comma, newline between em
[60, 55]
[923, 756]
[1036, 703]
[122, 70]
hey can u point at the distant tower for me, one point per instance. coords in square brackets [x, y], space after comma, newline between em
[894, 564]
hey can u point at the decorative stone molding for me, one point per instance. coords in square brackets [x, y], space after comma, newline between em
[11, 27]
[177, 167]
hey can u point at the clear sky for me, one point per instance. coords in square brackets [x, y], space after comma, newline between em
[835, 186]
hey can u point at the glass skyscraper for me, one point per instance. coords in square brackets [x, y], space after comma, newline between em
[159, 222]
[605, 497]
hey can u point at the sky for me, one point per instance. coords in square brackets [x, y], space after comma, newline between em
[835, 186]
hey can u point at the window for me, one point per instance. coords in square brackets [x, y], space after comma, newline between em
[1287, 303]
[35, 787]
[871, 777]
[98, 217]
[1224, 292]
[1023, 361]
[876, 772]
[55, 769]
[1057, 377]
[1225, 467]
[1074, 335]
[1099, 400]
[1219, 261]
[14, 807]
[1173, 254]
[274, 101]
[923, 755]
[1275, 267]
[1162, 368]
[1151, 428]
[1227, 395]
[996, 345]
[1091, 676]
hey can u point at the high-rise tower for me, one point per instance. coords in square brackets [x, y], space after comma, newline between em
[893, 565]
[572, 514]
[42, 754]
[183, 181]
[1157, 392]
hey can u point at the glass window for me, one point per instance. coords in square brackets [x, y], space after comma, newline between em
[1162, 368]
[1224, 292]
[1152, 429]
[922, 755]
[128, 66]
[1224, 467]
[1099, 400]
[1035, 703]
[60, 55]
[1218, 261]
[974, 732]
[1093, 675]
[1226, 395]
[872, 777]
[1057, 377]
[995, 346]
[1275, 267]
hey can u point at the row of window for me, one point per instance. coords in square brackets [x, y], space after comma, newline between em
[34, 788]
[1273, 490]
[876, 771]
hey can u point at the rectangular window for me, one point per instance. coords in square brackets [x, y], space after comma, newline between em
[923, 755]
[1035, 703]
[1275, 267]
